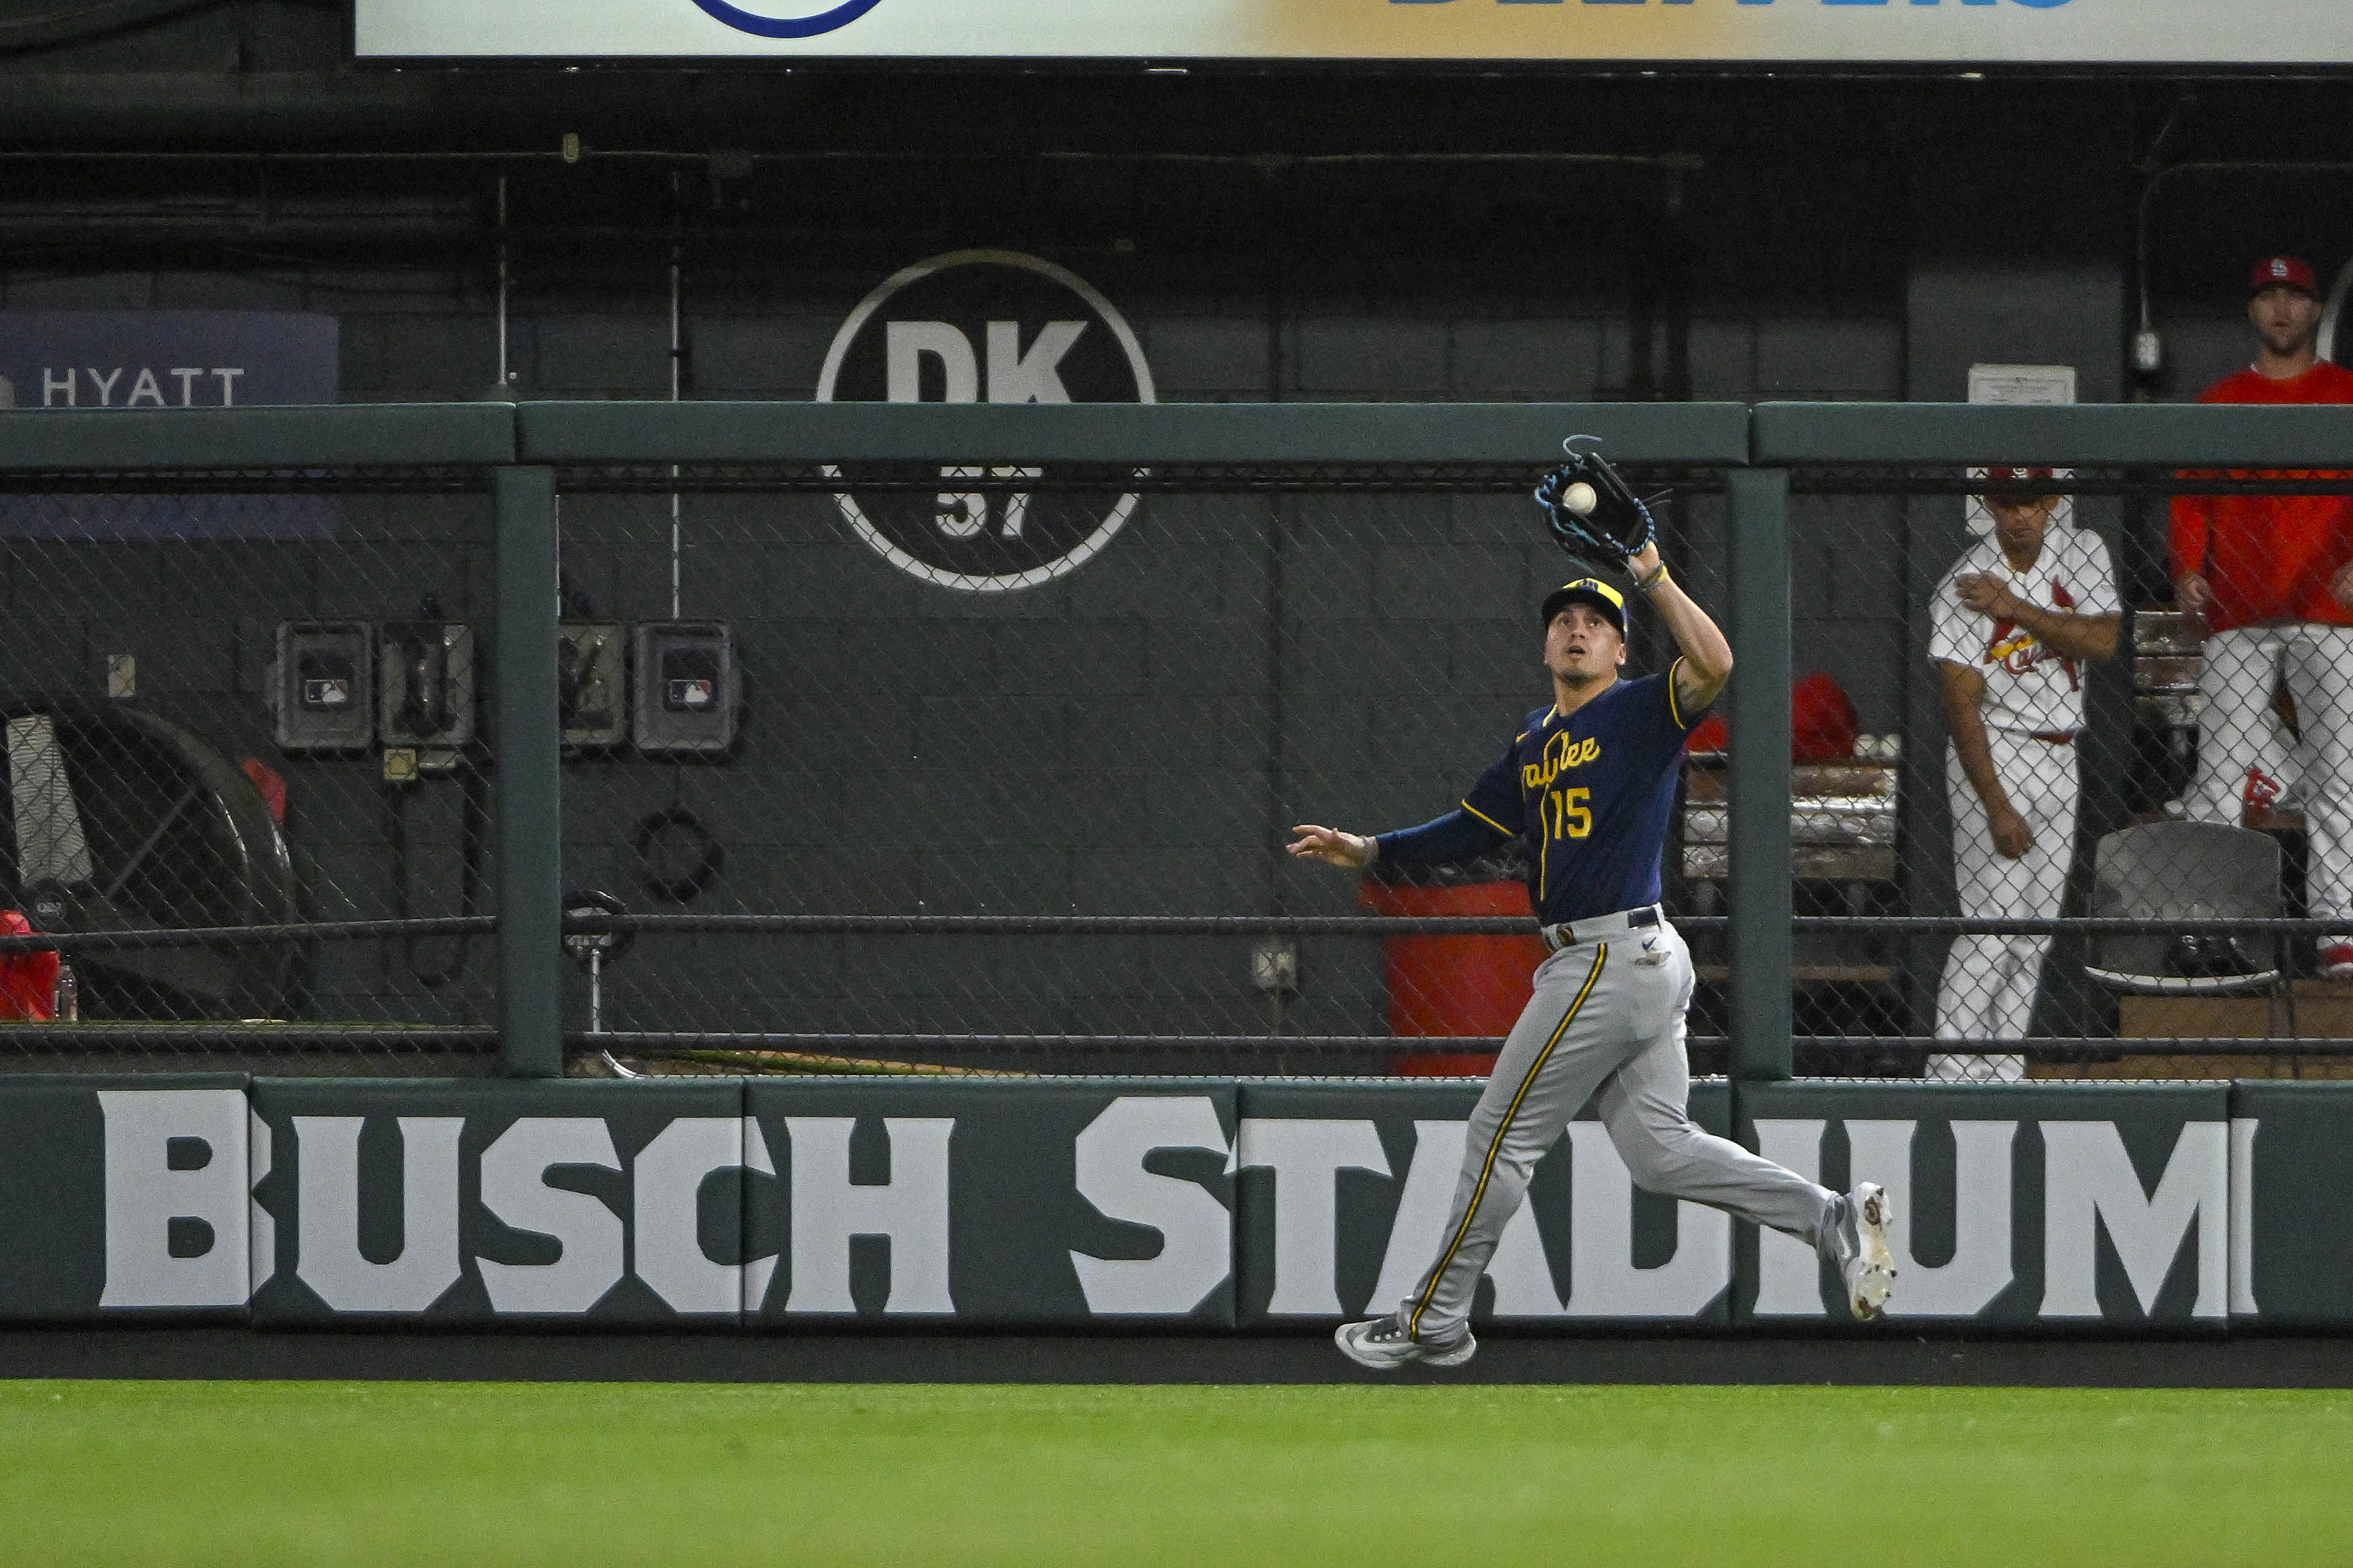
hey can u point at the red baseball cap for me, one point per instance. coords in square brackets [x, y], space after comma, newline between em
[2017, 476]
[2284, 272]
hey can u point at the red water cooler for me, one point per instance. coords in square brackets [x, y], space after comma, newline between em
[1444, 988]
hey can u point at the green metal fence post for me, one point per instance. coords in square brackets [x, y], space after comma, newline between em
[529, 760]
[1759, 890]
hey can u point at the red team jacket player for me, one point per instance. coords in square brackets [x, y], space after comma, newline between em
[2275, 577]
[2270, 558]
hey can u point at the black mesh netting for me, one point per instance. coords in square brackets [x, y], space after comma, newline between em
[258, 715]
[2055, 813]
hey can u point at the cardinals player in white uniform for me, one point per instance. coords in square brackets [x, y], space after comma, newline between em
[2016, 620]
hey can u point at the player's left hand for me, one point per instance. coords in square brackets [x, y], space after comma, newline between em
[1988, 595]
[1331, 844]
[2340, 587]
[1614, 525]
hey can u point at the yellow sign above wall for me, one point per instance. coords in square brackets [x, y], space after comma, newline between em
[1959, 33]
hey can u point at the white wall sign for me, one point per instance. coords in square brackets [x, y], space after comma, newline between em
[1926, 32]
[2015, 385]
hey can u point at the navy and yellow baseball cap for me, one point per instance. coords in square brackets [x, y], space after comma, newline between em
[1587, 591]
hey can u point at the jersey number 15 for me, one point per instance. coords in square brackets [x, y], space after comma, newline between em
[1566, 815]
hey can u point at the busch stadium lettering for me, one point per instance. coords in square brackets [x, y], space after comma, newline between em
[408, 1210]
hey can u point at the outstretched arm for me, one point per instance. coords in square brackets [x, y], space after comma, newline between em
[1707, 657]
[1488, 816]
[1457, 836]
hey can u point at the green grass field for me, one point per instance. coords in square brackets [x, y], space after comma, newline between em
[253, 1474]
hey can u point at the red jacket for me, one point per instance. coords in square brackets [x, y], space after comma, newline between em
[2269, 558]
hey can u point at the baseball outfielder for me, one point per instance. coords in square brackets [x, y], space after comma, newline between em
[2015, 620]
[2275, 577]
[1590, 784]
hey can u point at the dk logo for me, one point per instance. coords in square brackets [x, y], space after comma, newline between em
[1000, 327]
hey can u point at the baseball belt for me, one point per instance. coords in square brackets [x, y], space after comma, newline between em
[1600, 927]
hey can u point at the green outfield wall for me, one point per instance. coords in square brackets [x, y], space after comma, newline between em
[1254, 1204]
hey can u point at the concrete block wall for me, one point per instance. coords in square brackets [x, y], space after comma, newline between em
[1842, 238]
[200, 619]
[1135, 737]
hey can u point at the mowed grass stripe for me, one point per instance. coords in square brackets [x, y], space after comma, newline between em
[255, 1474]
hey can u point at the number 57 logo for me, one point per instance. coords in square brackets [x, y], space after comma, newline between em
[964, 514]
[973, 326]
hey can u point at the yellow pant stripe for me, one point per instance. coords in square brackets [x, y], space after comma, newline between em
[1494, 1148]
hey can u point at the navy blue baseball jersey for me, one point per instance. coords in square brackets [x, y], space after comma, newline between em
[1592, 794]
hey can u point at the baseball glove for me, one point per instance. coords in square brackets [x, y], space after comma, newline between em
[1591, 512]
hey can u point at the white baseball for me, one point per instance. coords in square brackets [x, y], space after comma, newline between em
[1580, 499]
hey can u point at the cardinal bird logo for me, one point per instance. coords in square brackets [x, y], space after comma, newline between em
[2018, 652]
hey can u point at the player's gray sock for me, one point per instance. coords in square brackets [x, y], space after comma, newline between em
[1837, 1240]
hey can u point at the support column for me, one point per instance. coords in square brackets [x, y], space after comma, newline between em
[526, 747]
[1759, 890]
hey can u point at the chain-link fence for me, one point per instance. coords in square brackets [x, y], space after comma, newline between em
[910, 760]
[1004, 768]
[2056, 811]
[247, 718]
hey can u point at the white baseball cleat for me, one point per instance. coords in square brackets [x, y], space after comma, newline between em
[1386, 1343]
[1866, 1265]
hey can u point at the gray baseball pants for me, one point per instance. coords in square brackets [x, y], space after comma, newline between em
[1607, 1016]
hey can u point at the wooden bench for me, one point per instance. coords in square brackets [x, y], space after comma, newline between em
[1842, 840]
[1841, 821]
